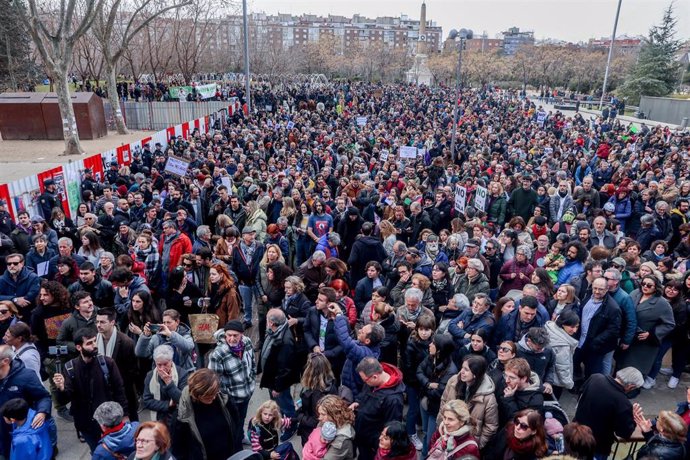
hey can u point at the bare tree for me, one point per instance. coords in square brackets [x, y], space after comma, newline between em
[55, 32]
[114, 29]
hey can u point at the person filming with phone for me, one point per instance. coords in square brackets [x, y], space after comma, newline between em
[171, 332]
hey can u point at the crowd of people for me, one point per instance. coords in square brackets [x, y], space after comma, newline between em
[377, 306]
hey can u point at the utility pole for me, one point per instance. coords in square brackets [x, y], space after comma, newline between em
[246, 58]
[608, 60]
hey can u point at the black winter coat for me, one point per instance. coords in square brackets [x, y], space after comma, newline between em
[430, 372]
[411, 357]
[389, 344]
[333, 350]
[279, 369]
[659, 447]
[307, 416]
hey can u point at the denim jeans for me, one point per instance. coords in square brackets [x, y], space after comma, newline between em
[285, 402]
[303, 248]
[607, 365]
[678, 357]
[247, 294]
[412, 410]
[429, 427]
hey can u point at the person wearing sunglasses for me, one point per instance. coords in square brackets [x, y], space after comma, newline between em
[525, 436]
[8, 317]
[19, 285]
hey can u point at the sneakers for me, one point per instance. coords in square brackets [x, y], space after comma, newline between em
[666, 371]
[64, 414]
[673, 382]
[417, 443]
[649, 383]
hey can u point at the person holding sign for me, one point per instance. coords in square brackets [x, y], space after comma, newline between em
[496, 207]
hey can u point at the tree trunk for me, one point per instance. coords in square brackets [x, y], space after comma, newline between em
[69, 121]
[114, 99]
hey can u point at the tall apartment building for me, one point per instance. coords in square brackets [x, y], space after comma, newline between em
[284, 31]
[514, 39]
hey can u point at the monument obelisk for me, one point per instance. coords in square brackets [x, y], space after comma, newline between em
[420, 74]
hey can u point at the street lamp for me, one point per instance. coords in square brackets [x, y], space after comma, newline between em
[463, 34]
[246, 58]
[608, 60]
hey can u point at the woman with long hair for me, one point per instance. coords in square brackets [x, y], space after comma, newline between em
[677, 340]
[256, 219]
[473, 386]
[441, 288]
[332, 408]
[263, 286]
[563, 299]
[225, 301]
[478, 345]
[525, 436]
[433, 375]
[207, 425]
[654, 316]
[395, 444]
[453, 439]
[147, 253]
[226, 243]
[67, 271]
[384, 315]
[541, 279]
[505, 351]
[182, 295]
[317, 381]
[90, 247]
[63, 225]
[18, 336]
[304, 243]
[388, 235]
[335, 269]
[342, 291]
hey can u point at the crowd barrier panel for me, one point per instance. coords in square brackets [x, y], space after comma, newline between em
[22, 194]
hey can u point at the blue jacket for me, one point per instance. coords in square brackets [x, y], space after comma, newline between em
[354, 353]
[471, 324]
[569, 270]
[506, 328]
[22, 383]
[623, 209]
[27, 285]
[31, 443]
[629, 325]
[120, 442]
[363, 291]
[33, 259]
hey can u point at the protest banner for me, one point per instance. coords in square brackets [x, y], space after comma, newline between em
[408, 152]
[460, 199]
[177, 166]
[480, 198]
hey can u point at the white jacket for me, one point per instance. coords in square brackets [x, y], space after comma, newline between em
[564, 347]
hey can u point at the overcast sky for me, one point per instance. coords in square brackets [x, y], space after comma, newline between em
[560, 19]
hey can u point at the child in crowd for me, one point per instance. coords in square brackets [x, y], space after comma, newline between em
[554, 261]
[27, 442]
[319, 440]
[265, 430]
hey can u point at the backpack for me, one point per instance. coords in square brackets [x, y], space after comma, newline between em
[69, 367]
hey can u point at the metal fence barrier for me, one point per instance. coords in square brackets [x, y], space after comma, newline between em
[154, 116]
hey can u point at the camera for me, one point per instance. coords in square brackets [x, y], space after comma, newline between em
[154, 328]
[58, 351]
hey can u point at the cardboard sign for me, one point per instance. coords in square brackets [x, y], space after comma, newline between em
[177, 166]
[408, 152]
[480, 198]
[460, 199]
[383, 156]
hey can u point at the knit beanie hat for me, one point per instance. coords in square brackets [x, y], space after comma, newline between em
[551, 425]
[328, 431]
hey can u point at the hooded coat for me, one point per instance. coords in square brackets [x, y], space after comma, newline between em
[563, 347]
[120, 442]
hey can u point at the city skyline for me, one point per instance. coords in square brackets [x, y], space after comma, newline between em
[496, 16]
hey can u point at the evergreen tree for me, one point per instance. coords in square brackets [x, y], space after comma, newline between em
[18, 72]
[656, 72]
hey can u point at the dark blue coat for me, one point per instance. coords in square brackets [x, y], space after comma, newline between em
[21, 383]
[506, 328]
[246, 273]
[27, 285]
[363, 291]
[471, 325]
[332, 348]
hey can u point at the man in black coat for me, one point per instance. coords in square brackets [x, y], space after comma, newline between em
[379, 402]
[365, 249]
[278, 366]
[328, 342]
[605, 408]
[101, 290]
[48, 199]
[419, 220]
[84, 383]
[599, 331]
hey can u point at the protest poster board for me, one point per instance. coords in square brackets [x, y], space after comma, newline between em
[460, 199]
[177, 166]
[408, 152]
[480, 198]
[361, 121]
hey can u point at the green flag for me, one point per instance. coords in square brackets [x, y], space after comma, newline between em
[634, 129]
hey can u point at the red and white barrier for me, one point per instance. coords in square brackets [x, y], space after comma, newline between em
[22, 195]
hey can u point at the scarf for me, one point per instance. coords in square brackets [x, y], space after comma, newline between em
[448, 438]
[271, 337]
[414, 315]
[237, 349]
[287, 300]
[439, 285]
[106, 349]
[432, 253]
[519, 446]
[155, 387]
[248, 251]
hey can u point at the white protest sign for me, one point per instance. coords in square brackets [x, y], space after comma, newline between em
[290, 124]
[541, 118]
[383, 156]
[480, 198]
[460, 199]
[421, 153]
[176, 166]
[361, 121]
[225, 180]
[408, 152]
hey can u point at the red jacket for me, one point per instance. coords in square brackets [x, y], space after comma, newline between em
[180, 246]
